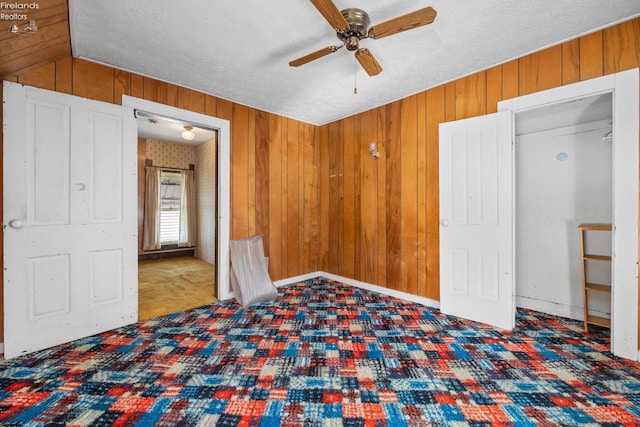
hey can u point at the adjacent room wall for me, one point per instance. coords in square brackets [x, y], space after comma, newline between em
[206, 192]
[170, 154]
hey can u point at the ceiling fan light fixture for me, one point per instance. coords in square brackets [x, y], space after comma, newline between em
[352, 25]
[187, 133]
[352, 42]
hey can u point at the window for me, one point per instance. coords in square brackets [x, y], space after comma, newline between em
[170, 191]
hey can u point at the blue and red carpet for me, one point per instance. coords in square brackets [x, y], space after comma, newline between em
[325, 354]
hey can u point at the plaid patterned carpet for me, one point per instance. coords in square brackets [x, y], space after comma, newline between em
[324, 354]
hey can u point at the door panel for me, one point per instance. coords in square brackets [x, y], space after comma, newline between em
[70, 239]
[476, 220]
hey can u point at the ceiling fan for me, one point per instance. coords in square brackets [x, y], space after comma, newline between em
[352, 25]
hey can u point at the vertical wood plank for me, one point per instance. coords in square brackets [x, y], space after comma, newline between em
[239, 173]
[348, 231]
[189, 99]
[591, 59]
[357, 196]
[172, 95]
[436, 113]
[471, 96]
[225, 111]
[311, 201]
[284, 161]
[368, 199]
[275, 197]
[394, 202]
[408, 193]
[64, 75]
[251, 171]
[421, 196]
[571, 62]
[541, 70]
[510, 79]
[93, 81]
[381, 197]
[622, 47]
[43, 77]
[324, 198]
[121, 85]
[450, 101]
[494, 89]
[334, 146]
[293, 219]
[136, 86]
[262, 175]
[154, 90]
[211, 106]
[301, 243]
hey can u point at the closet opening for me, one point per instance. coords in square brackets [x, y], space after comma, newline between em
[563, 179]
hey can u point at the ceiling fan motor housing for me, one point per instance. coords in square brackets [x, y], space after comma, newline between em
[358, 21]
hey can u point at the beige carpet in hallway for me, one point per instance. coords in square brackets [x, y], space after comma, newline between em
[170, 285]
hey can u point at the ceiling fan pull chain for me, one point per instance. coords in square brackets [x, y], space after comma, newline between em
[355, 76]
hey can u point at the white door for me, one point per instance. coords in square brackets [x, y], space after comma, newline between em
[476, 220]
[70, 239]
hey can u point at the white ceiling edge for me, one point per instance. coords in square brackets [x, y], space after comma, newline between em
[453, 79]
[372, 97]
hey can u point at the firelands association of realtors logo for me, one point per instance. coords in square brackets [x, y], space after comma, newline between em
[14, 11]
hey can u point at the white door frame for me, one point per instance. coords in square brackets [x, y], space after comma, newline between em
[625, 89]
[224, 185]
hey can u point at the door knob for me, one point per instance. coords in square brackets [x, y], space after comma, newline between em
[16, 224]
[445, 223]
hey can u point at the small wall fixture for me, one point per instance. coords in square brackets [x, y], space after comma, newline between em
[187, 133]
[373, 149]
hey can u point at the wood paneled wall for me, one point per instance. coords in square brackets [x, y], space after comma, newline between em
[316, 194]
[274, 160]
[379, 218]
[51, 41]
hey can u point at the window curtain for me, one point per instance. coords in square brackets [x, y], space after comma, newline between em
[151, 230]
[188, 210]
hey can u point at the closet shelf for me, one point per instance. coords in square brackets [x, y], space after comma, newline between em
[597, 287]
[597, 257]
[599, 321]
[590, 319]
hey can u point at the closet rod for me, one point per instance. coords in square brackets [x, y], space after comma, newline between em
[141, 113]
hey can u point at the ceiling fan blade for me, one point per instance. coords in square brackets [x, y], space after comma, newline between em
[313, 56]
[331, 13]
[403, 23]
[368, 62]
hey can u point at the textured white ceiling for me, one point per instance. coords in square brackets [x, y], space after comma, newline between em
[240, 50]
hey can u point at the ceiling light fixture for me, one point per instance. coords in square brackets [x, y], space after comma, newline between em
[187, 133]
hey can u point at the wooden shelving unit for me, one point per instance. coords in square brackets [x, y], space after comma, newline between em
[589, 286]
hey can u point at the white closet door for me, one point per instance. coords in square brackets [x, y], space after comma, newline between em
[476, 220]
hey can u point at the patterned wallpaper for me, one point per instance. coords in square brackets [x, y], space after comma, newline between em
[206, 189]
[171, 154]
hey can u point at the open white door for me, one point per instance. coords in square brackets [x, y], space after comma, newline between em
[70, 240]
[476, 220]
